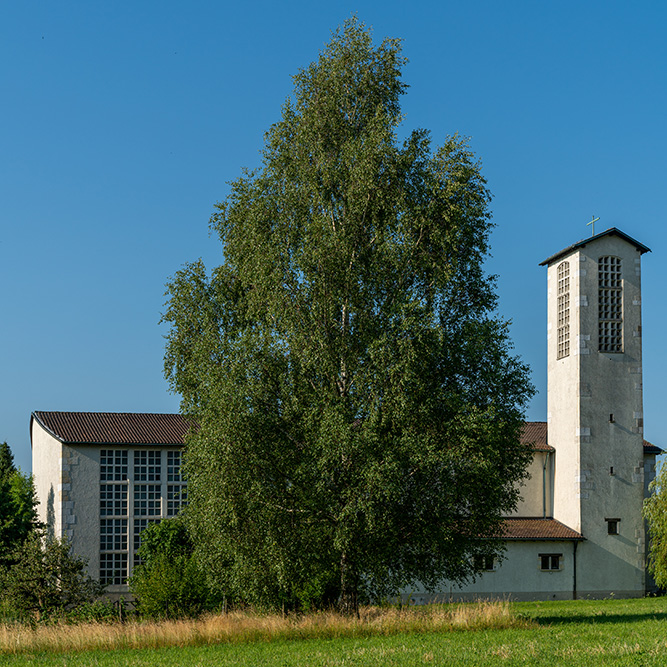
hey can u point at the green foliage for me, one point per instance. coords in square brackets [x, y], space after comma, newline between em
[44, 579]
[655, 513]
[358, 402]
[170, 582]
[18, 505]
[6, 461]
[99, 611]
[170, 588]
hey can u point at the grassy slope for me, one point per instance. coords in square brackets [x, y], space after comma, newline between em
[610, 632]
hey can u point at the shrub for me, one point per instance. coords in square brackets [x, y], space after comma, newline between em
[43, 579]
[170, 583]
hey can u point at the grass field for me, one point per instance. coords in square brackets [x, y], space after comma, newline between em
[608, 632]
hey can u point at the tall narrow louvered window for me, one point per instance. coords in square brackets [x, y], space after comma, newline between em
[563, 309]
[610, 300]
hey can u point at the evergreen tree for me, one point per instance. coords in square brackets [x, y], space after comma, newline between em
[45, 579]
[18, 505]
[6, 461]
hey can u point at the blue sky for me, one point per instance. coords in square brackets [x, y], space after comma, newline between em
[123, 122]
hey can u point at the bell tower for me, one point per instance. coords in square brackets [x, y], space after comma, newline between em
[595, 407]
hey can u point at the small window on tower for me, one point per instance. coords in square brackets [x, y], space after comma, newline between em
[612, 526]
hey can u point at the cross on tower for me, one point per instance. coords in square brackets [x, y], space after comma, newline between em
[592, 223]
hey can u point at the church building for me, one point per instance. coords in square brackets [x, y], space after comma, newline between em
[578, 531]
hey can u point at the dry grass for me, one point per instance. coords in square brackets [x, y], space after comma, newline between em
[240, 627]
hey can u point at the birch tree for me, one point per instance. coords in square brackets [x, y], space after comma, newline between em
[358, 400]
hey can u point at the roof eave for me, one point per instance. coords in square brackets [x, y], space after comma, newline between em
[581, 538]
[580, 244]
[35, 417]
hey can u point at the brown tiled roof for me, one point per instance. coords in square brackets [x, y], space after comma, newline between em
[131, 428]
[650, 448]
[538, 529]
[535, 434]
[114, 428]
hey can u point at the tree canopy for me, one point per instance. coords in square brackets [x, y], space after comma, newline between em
[18, 503]
[358, 401]
[44, 579]
[655, 513]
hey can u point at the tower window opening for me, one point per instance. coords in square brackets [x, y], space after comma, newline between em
[610, 305]
[563, 310]
[612, 526]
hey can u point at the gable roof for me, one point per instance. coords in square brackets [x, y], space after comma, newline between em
[580, 244]
[538, 529]
[650, 448]
[535, 434]
[141, 428]
[114, 428]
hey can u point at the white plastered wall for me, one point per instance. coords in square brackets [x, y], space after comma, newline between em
[517, 577]
[82, 512]
[537, 491]
[47, 475]
[595, 424]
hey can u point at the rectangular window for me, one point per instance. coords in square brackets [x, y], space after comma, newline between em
[147, 466]
[113, 535]
[113, 568]
[174, 467]
[550, 562]
[139, 526]
[113, 500]
[612, 526]
[147, 500]
[177, 498]
[113, 465]
[484, 563]
[134, 494]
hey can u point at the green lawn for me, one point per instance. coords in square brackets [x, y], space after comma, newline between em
[609, 632]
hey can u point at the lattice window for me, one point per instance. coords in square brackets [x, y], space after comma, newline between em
[174, 467]
[113, 465]
[113, 500]
[133, 494]
[139, 526]
[563, 310]
[147, 500]
[177, 498]
[610, 308]
[113, 568]
[147, 466]
[113, 534]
